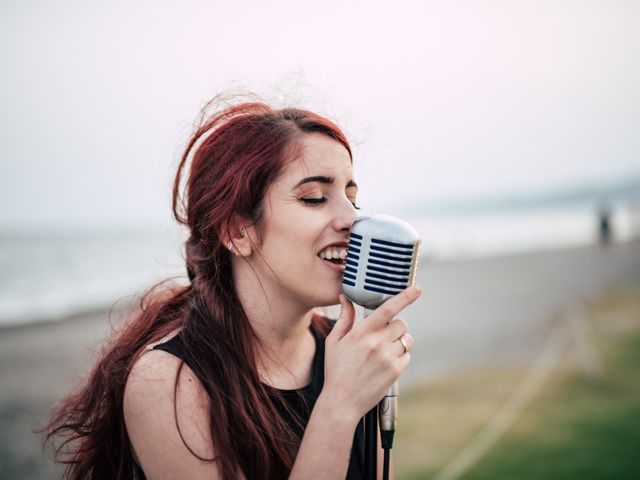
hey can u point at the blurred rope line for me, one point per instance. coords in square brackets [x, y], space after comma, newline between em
[587, 353]
[519, 399]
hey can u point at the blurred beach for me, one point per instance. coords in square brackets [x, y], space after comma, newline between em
[487, 311]
[505, 132]
[49, 276]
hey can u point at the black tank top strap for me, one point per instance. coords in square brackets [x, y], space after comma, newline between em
[174, 346]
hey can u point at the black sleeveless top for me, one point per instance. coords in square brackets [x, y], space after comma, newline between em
[301, 406]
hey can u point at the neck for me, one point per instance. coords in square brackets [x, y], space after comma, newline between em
[286, 346]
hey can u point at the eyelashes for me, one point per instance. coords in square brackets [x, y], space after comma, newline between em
[313, 201]
[320, 200]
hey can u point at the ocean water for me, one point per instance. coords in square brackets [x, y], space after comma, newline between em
[49, 277]
[46, 277]
[511, 232]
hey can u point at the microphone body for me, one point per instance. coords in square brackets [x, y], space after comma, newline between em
[382, 259]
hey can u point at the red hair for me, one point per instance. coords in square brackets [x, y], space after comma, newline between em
[231, 160]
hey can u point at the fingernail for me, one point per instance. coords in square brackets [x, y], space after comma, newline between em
[416, 291]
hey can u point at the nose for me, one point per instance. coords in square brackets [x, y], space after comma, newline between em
[344, 217]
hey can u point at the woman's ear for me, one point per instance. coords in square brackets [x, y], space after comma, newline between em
[237, 238]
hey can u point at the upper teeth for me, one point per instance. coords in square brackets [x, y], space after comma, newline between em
[335, 253]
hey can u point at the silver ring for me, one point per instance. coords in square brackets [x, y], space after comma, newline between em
[404, 344]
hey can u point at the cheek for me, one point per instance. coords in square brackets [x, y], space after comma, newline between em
[285, 238]
[303, 227]
[293, 229]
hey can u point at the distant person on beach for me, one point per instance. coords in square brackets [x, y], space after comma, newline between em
[604, 226]
[235, 375]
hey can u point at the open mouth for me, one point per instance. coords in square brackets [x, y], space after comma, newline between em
[334, 255]
[336, 261]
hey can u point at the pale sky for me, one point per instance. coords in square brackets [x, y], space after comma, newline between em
[441, 100]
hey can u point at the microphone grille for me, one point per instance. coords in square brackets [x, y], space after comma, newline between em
[378, 267]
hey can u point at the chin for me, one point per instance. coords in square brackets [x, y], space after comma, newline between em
[330, 303]
[331, 312]
[329, 298]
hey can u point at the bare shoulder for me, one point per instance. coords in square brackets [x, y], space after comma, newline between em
[166, 411]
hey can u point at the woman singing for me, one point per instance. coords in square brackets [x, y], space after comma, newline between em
[235, 375]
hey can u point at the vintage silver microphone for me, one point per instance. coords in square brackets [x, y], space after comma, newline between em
[382, 258]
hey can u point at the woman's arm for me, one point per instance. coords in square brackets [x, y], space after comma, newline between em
[327, 443]
[150, 417]
[361, 362]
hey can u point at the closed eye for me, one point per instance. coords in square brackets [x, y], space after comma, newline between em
[313, 201]
[318, 201]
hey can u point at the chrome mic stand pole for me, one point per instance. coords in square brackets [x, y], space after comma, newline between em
[371, 444]
[370, 435]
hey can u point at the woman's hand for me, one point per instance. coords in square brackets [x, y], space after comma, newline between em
[363, 361]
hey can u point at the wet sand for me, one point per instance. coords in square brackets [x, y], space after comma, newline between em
[472, 312]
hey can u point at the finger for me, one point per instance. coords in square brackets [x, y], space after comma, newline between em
[345, 320]
[389, 309]
[395, 329]
[405, 344]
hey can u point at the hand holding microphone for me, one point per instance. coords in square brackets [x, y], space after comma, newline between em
[363, 360]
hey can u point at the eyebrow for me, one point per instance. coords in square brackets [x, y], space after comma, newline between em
[323, 179]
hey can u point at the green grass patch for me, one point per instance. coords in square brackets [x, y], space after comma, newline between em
[436, 420]
[575, 428]
[581, 429]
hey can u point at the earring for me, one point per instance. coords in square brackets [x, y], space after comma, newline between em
[242, 231]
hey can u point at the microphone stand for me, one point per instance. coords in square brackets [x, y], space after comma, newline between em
[371, 444]
[371, 435]
[383, 415]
